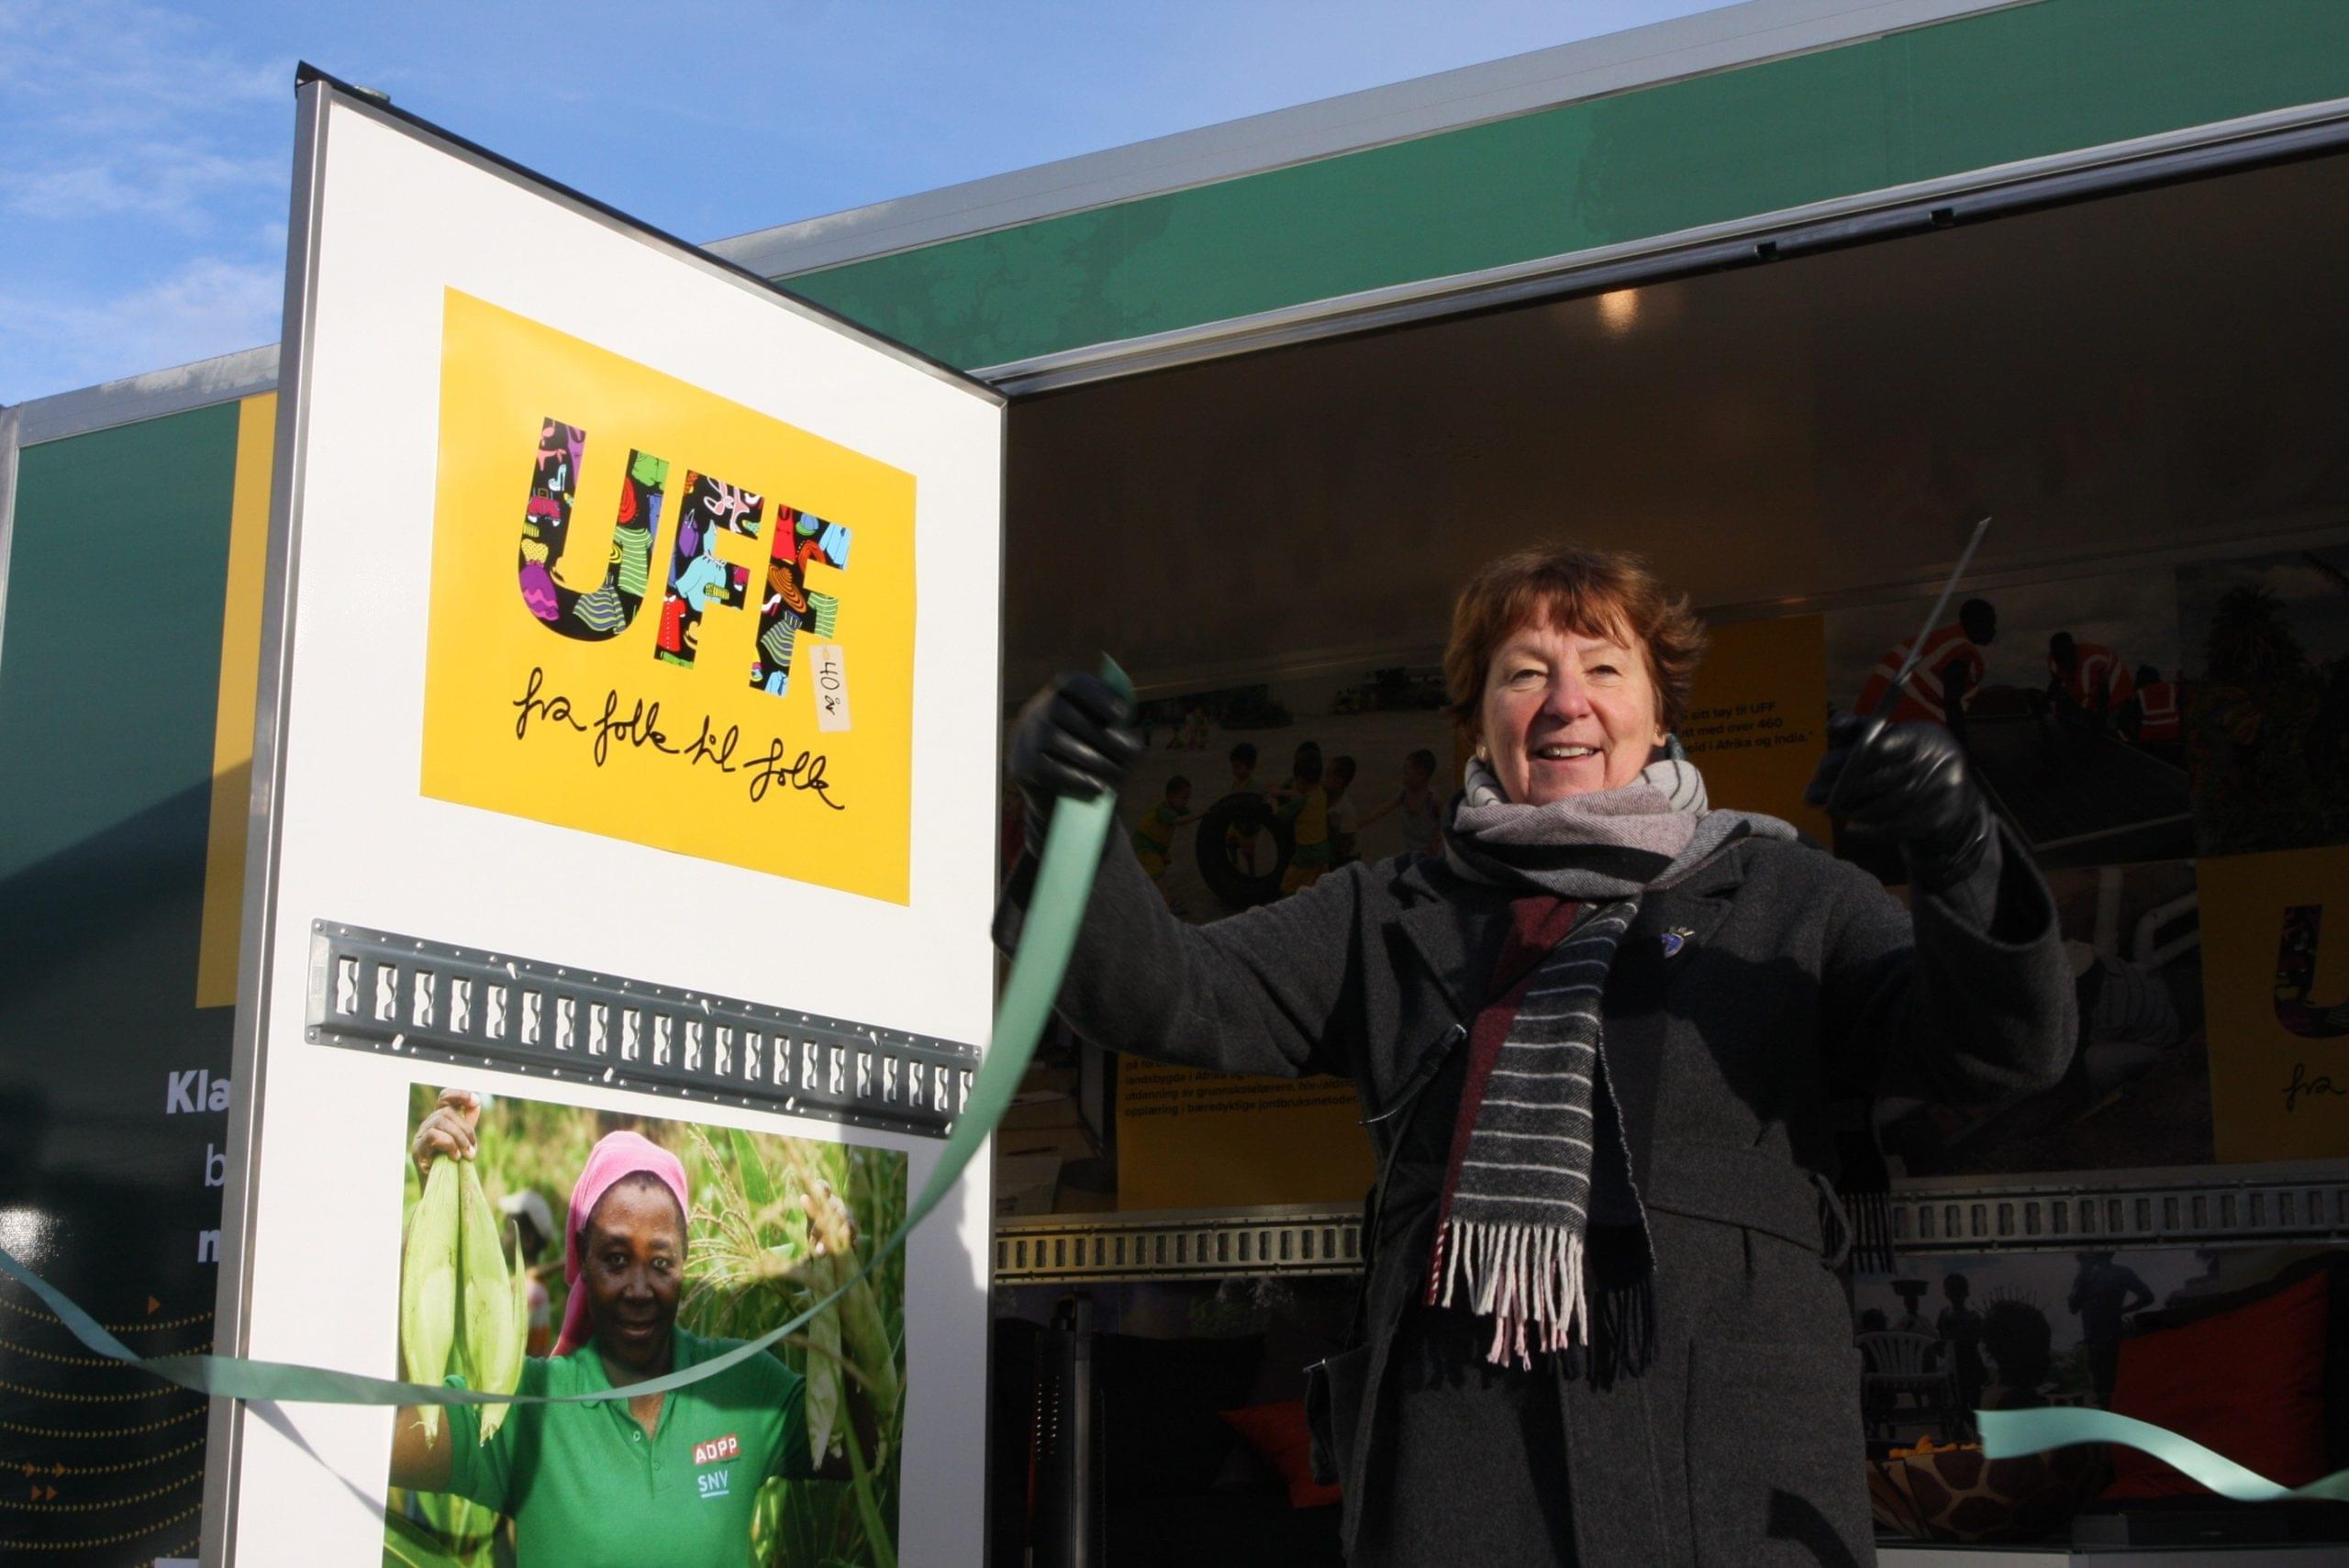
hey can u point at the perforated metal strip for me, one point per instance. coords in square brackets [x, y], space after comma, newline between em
[1162, 1246]
[2123, 1210]
[385, 994]
[2144, 1209]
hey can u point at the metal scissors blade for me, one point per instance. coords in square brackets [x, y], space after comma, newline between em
[1932, 618]
[1891, 697]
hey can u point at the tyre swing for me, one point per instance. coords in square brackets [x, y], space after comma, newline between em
[1242, 813]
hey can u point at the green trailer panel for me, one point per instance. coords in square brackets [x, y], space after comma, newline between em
[2029, 81]
[111, 670]
[113, 1080]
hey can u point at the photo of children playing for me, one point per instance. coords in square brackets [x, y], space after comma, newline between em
[1250, 793]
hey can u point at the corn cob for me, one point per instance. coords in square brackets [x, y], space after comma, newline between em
[863, 1331]
[506, 1375]
[429, 1286]
[486, 1301]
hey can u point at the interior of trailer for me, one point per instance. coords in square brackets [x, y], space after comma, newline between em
[2116, 381]
[2126, 384]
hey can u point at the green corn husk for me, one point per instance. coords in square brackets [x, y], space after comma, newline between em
[517, 1342]
[823, 1395]
[521, 1344]
[492, 1337]
[863, 1330]
[429, 1286]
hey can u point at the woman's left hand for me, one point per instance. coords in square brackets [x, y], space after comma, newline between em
[1908, 783]
[448, 1131]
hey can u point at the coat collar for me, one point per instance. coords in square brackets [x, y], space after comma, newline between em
[1718, 878]
[1445, 919]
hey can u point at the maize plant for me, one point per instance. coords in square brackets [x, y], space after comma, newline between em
[753, 1262]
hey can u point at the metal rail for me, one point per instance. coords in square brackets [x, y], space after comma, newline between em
[376, 991]
[2238, 1206]
[2251, 1206]
[1177, 1245]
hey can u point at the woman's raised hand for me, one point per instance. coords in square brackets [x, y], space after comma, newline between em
[1074, 738]
[448, 1130]
[1908, 783]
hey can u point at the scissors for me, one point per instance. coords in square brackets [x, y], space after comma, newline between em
[1916, 651]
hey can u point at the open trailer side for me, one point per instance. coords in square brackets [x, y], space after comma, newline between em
[1728, 290]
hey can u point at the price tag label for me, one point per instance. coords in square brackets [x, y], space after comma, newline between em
[831, 675]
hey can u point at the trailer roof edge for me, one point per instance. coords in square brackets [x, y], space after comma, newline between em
[2312, 129]
[151, 395]
[1710, 41]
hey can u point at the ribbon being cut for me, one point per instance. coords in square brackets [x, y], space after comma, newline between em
[1531, 1288]
[1072, 849]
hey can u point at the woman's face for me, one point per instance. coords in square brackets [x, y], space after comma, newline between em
[1566, 713]
[636, 1258]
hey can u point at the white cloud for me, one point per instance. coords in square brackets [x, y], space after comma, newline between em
[146, 169]
[105, 65]
[117, 111]
[181, 185]
[208, 306]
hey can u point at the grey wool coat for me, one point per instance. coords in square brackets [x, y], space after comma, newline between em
[1795, 979]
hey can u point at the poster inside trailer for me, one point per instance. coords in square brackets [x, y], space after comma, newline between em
[616, 950]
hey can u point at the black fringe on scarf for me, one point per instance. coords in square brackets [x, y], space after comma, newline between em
[1622, 1327]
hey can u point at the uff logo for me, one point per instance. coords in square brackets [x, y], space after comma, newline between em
[697, 580]
[718, 1449]
[2297, 1008]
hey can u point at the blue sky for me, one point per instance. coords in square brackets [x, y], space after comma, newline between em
[144, 149]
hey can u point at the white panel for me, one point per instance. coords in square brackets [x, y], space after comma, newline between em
[401, 219]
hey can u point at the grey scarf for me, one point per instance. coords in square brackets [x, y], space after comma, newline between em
[1614, 843]
[1514, 1232]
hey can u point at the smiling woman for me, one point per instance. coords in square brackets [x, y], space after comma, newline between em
[1583, 663]
[1596, 1035]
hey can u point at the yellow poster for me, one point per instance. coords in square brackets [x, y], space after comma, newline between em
[2276, 995]
[1192, 1140]
[662, 617]
[1757, 717]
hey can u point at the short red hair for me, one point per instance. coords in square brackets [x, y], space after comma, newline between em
[1598, 593]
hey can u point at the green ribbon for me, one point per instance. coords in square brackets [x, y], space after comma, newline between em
[1073, 848]
[2010, 1434]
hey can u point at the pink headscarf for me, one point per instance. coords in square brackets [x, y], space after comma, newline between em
[613, 1159]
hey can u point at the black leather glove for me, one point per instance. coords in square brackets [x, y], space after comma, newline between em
[1075, 738]
[1910, 784]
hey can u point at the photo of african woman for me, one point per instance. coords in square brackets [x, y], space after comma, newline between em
[678, 1243]
[1595, 1034]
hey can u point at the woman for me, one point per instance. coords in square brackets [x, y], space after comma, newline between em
[1595, 1041]
[668, 1477]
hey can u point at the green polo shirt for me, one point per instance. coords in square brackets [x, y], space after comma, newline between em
[587, 1489]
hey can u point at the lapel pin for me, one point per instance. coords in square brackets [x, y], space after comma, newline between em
[1675, 939]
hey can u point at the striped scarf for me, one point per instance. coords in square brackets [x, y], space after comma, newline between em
[1543, 1149]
